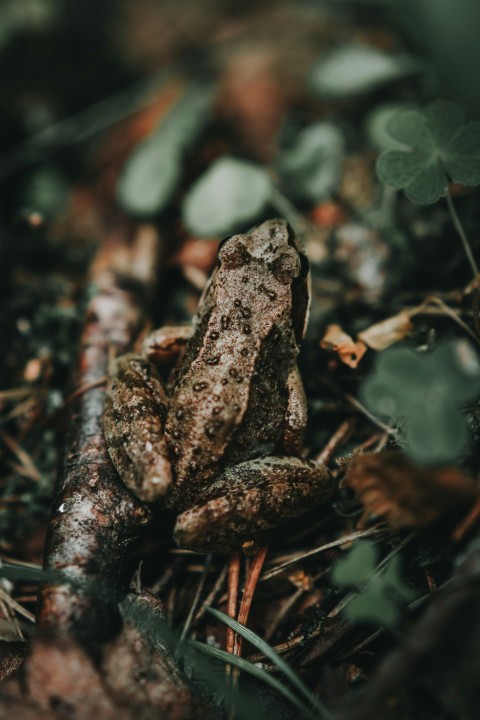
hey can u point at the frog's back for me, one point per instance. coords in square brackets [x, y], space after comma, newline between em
[230, 394]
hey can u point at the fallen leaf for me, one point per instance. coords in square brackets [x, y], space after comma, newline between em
[349, 351]
[392, 487]
[385, 333]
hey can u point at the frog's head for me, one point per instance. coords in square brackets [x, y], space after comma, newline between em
[274, 248]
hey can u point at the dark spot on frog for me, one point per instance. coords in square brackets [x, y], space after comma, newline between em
[245, 312]
[216, 410]
[177, 434]
[247, 329]
[214, 335]
[233, 372]
[237, 302]
[269, 293]
[245, 351]
[180, 414]
[200, 386]
[214, 360]
[224, 381]
[225, 322]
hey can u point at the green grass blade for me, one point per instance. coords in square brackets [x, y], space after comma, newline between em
[269, 652]
[256, 672]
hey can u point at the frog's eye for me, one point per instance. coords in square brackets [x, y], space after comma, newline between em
[286, 266]
[232, 253]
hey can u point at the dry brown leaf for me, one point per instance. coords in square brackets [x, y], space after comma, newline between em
[385, 333]
[392, 487]
[349, 351]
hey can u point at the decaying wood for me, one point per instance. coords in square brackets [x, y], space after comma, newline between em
[94, 517]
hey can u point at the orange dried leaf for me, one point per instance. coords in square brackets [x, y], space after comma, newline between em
[349, 351]
[387, 332]
[392, 487]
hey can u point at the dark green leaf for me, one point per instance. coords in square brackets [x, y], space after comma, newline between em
[437, 145]
[425, 393]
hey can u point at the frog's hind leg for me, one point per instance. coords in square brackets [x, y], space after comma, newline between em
[249, 499]
[135, 411]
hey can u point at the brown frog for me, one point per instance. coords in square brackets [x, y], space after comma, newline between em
[220, 444]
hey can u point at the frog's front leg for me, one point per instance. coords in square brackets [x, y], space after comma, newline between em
[134, 419]
[251, 498]
[135, 411]
[166, 345]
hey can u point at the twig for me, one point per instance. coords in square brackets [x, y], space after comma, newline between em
[210, 599]
[233, 583]
[377, 530]
[247, 597]
[197, 597]
[337, 438]
[94, 517]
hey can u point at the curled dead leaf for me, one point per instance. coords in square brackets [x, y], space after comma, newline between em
[385, 333]
[392, 487]
[349, 351]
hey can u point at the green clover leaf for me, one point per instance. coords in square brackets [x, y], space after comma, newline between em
[425, 392]
[438, 146]
[380, 593]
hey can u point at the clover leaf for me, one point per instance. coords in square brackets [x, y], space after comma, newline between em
[425, 393]
[438, 146]
[380, 593]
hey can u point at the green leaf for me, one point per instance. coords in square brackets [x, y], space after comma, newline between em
[391, 578]
[410, 128]
[357, 566]
[373, 606]
[352, 69]
[269, 652]
[311, 169]
[152, 172]
[376, 125]
[463, 159]
[425, 393]
[382, 589]
[257, 672]
[428, 186]
[398, 169]
[436, 145]
[229, 194]
[444, 118]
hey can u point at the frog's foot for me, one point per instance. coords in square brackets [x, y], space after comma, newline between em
[135, 411]
[166, 345]
[249, 499]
